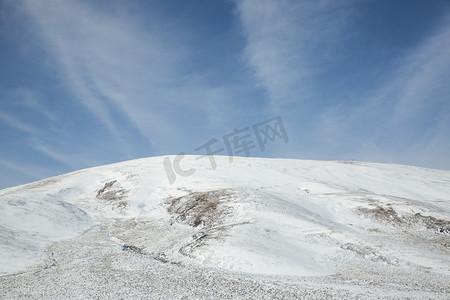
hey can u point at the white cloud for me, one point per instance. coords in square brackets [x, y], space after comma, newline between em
[288, 43]
[409, 112]
[35, 137]
[25, 170]
[116, 63]
[291, 43]
[18, 124]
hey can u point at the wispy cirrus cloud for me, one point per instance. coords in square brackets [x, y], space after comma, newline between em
[299, 49]
[18, 124]
[37, 137]
[289, 43]
[404, 119]
[133, 74]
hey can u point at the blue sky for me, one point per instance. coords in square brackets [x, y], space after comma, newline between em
[86, 83]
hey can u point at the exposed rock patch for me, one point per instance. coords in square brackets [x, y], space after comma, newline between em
[209, 213]
[202, 209]
[417, 220]
[115, 195]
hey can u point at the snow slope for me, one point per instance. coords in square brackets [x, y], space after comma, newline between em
[266, 217]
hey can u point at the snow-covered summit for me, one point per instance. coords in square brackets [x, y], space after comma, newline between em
[251, 216]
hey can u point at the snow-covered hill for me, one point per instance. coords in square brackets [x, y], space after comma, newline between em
[341, 228]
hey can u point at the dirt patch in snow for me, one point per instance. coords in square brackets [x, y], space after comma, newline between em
[115, 195]
[205, 209]
[210, 214]
[417, 220]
